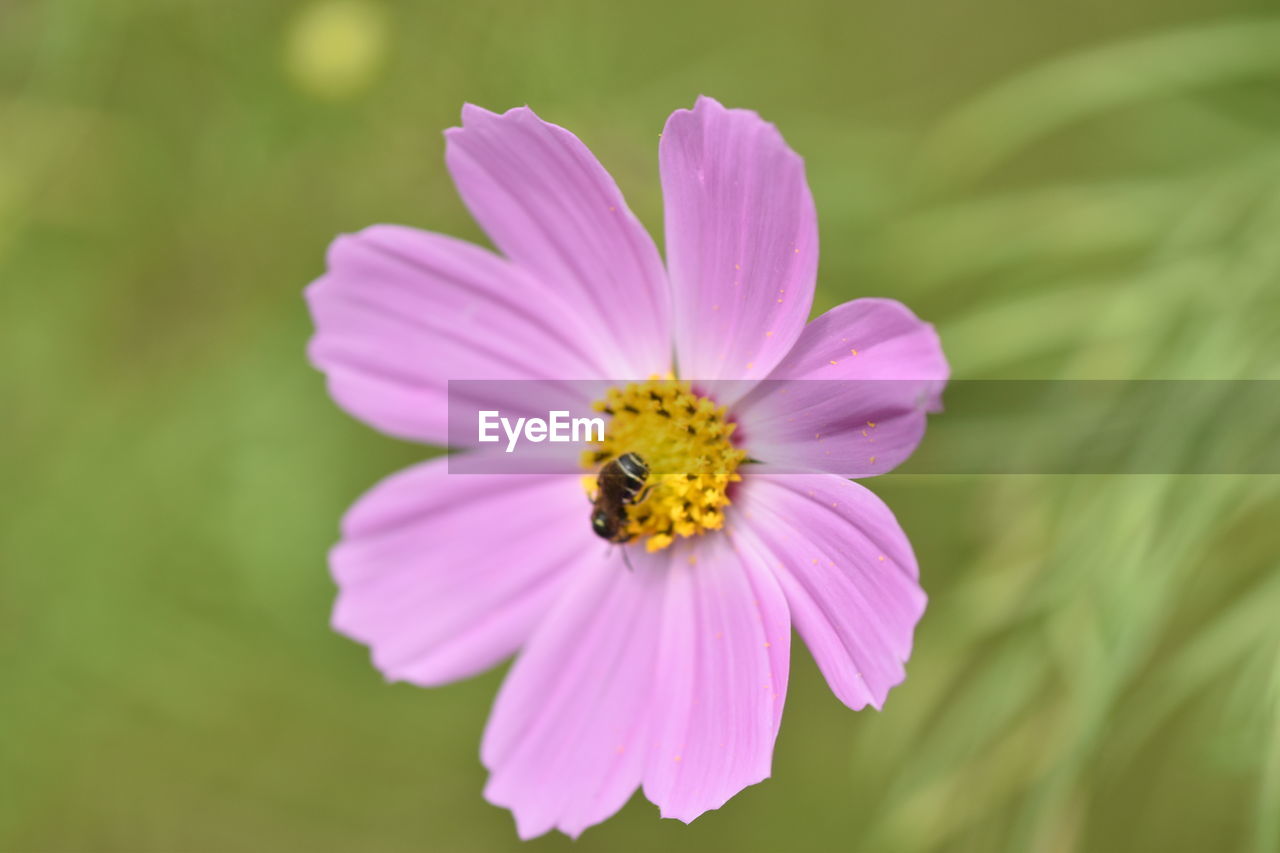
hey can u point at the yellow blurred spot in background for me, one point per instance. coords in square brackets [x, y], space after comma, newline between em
[334, 48]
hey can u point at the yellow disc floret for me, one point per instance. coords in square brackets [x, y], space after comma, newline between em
[687, 444]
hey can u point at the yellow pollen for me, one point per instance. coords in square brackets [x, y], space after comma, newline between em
[688, 445]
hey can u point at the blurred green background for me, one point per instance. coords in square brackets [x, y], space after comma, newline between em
[1075, 190]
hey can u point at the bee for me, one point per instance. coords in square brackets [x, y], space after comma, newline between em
[620, 484]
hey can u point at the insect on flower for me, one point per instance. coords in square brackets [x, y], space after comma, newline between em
[731, 501]
[620, 483]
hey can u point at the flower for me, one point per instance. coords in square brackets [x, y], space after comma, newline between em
[672, 676]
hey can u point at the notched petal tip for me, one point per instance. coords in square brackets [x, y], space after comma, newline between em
[688, 815]
[527, 829]
[474, 114]
[701, 102]
[341, 622]
[337, 246]
[850, 577]
[742, 240]
[369, 237]
[708, 108]
[553, 211]
[706, 105]
[470, 116]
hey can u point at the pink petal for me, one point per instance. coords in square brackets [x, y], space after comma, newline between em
[848, 572]
[852, 395]
[674, 673]
[400, 312]
[722, 668]
[742, 241]
[550, 206]
[444, 576]
[567, 736]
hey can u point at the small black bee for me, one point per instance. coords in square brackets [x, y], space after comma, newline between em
[620, 484]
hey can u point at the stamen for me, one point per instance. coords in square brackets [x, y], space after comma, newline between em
[687, 443]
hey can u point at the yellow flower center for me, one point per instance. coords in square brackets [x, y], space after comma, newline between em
[686, 442]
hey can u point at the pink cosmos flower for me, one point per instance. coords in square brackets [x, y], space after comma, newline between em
[670, 677]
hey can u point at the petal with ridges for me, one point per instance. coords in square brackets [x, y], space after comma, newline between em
[722, 668]
[400, 312]
[848, 572]
[548, 205]
[742, 241]
[444, 576]
[852, 396]
[565, 742]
